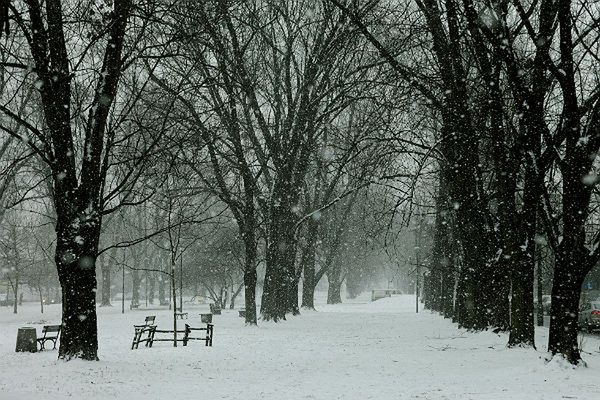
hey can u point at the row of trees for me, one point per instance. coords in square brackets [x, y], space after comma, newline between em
[188, 113]
[513, 93]
[292, 120]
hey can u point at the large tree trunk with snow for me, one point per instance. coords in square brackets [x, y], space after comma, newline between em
[76, 249]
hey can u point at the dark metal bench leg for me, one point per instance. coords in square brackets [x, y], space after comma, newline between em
[151, 338]
[136, 340]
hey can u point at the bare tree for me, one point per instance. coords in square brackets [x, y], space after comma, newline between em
[78, 158]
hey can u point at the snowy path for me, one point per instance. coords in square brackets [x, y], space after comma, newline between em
[380, 350]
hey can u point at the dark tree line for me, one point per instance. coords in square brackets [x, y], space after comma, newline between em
[293, 117]
[517, 112]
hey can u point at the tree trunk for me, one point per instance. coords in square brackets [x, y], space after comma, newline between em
[162, 291]
[447, 289]
[280, 274]
[174, 298]
[79, 335]
[293, 297]
[41, 300]
[250, 275]
[136, 282]
[522, 328]
[461, 170]
[235, 294]
[334, 290]
[224, 296]
[522, 332]
[16, 293]
[540, 291]
[105, 266]
[564, 311]
[151, 287]
[308, 264]
[442, 258]
[57, 294]
[308, 288]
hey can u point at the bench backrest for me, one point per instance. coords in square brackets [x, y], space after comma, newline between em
[51, 328]
[150, 319]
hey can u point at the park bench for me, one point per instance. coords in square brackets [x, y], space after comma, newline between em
[242, 313]
[180, 315]
[186, 335]
[148, 328]
[134, 305]
[215, 309]
[208, 338]
[51, 333]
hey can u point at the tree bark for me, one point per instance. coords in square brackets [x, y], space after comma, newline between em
[162, 291]
[460, 147]
[334, 278]
[540, 291]
[442, 266]
[564, 311]
[151, 287]
[16, 293]
[75, 258]
[308, 264]
[280, 274]
[41, 300]
[105, 266]
[250, 275]
[136, 282]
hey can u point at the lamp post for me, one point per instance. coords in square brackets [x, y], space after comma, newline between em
[181, 283]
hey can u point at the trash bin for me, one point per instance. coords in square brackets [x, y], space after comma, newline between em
[26, 339]
[206, 318]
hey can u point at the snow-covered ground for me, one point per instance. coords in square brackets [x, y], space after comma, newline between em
[380, 350]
